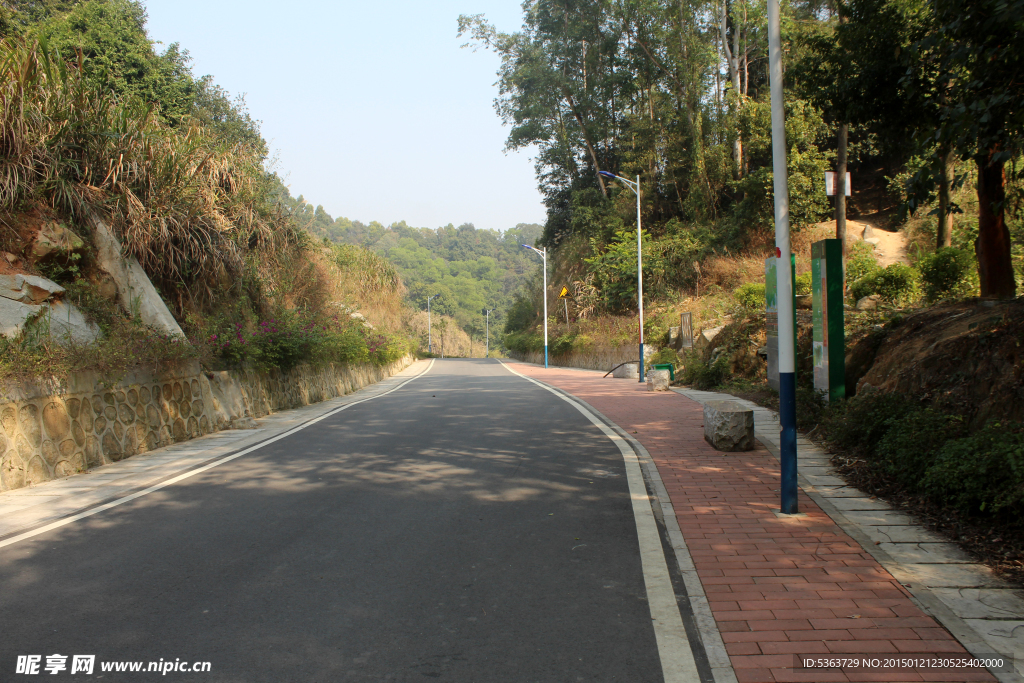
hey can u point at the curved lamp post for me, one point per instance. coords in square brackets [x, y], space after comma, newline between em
[487, 331]
[430, 348]
[544, 257]
[635, 186]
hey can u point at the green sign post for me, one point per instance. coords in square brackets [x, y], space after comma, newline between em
[772, 315]
[827, 302]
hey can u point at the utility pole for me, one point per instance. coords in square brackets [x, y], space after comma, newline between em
[487, 331]
[430, 347]
[787, 333]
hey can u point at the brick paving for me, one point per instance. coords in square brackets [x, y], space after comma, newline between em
[777, 586]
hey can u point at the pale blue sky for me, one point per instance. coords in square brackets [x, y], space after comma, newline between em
[374, 110]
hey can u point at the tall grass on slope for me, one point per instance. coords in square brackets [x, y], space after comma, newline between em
[185, 204]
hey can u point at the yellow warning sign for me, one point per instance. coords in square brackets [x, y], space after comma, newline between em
[564, 293]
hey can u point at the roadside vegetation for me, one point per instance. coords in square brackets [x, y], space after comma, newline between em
[96, 123]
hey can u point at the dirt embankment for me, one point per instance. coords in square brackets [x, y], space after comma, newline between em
[966, 356]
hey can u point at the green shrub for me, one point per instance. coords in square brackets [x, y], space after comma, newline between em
[665, 355]
[803, 284]
[912, 442]
[859, 424]
[860, 261]
[863, 287]
[811, 407]
[524, 342]
[896, 284]
[562, 345]
[949, 272]
[292, 338]
[981, 473]
[705, 376]
[385, 348]
[750, 295]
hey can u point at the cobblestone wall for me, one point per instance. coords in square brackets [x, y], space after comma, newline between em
[46, 434]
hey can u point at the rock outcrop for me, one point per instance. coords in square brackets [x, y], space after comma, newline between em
[29, 303]
[136, 294]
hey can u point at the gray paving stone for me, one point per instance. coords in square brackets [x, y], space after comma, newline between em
[927, 553]
[863, 503]
[879, 517]
[952, 576]
[901, 534]
[1004, 637]
[822, 480]
[983, 603]
[840, 492]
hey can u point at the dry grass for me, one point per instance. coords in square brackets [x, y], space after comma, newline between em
[447, 337]
[187, 206]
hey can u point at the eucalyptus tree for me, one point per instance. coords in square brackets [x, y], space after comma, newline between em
[557, 86]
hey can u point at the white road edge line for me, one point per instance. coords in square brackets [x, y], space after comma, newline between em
[191, 473]
[677, 663]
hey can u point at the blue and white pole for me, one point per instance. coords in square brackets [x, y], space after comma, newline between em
[544, 260]
[787, 333]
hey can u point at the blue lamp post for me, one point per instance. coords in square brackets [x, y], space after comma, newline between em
[544, 258]
[635, 186]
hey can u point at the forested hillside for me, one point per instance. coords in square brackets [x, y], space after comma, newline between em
[467, 269]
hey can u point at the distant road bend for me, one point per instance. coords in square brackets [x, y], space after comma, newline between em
[472, 525]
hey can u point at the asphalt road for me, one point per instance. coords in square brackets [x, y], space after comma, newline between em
[470, 526]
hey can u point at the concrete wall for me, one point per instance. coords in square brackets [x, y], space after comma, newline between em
[47, 433]
[598, 359]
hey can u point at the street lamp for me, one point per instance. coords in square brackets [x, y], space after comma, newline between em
[635, 186]
[487, 331]
[544, 256]
[430, 348]
[787, 333]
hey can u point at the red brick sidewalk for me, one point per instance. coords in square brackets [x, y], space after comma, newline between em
[777, 587]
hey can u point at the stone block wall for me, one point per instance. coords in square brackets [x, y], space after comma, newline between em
[270, 391]
[47, 434]
[598, 359]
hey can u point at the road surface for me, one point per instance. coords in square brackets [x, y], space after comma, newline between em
[470, 526]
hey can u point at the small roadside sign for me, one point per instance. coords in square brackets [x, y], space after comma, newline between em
[564, 293]
[830, 184]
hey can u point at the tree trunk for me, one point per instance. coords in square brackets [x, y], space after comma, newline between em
[844, 132]
[995, 269]
[944, 233]
[586, 139]
[733, 63]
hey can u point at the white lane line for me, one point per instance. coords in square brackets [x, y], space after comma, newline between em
[191, 473]
[677, 664]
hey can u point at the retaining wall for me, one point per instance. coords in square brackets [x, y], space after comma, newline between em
[600, 359]
[48, 432]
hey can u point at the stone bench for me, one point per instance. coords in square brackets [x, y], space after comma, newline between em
[657, 380]
[728, 426]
